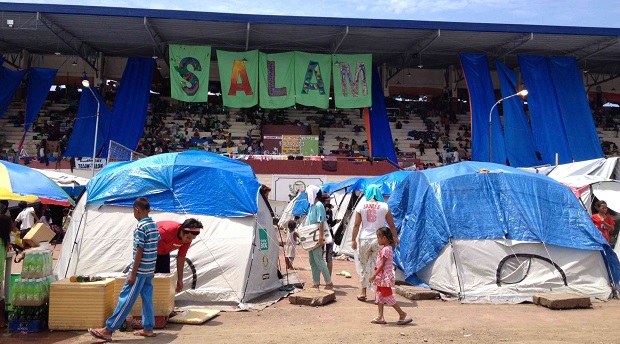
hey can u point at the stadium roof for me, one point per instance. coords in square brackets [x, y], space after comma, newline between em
[86, 31]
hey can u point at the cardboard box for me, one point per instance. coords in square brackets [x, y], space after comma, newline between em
[37, 234]
[79, 306]
[164, 286]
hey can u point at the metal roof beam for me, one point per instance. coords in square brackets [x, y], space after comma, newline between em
[597, 48]
[247, 37]
[508, 47]
[160, 46]
[414, 51]
[338, 41]
[81, 49]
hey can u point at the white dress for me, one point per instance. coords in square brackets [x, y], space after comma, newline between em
[291, 245]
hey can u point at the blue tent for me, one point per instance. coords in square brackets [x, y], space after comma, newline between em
[386, 182]
[177, 183]
[479, 200]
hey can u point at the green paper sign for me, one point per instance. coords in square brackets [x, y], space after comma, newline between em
[189, 72]
[239, 78]
[309, 145]
[277, 80]
[313, 79]
[353, 80]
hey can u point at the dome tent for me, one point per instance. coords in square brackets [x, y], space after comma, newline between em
[234, 257]
[488, 232]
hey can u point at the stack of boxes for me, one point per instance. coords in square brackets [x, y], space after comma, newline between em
[79, 306]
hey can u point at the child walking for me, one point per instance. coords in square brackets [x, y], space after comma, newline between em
[140, 279]
[383, 278]
[291, 244]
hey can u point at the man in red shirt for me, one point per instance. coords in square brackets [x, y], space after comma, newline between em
[175, 236]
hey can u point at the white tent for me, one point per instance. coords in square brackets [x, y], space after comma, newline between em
[232, 262]
[484, 232]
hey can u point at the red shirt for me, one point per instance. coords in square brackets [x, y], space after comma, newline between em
[169, 234]
[598, 221]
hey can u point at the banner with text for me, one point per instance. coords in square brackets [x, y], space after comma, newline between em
[286, 186]
[87, 163]
[352, 80]
[277, 82]
[306, 145]
[189, 72]
[239, 78]
[312, 79]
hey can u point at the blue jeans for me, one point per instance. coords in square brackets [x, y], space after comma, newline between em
[129, 294]
[318, 266]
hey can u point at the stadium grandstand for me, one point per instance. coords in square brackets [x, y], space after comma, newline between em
[421, 74]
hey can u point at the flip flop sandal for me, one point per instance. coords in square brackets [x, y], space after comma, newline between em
[361, 298]
[404, 321]
[142, 334]
[379, 322]
[97, 334]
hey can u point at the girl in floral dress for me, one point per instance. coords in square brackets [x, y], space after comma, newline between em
[383, 278]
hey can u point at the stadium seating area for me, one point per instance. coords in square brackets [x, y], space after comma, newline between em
[342, 132]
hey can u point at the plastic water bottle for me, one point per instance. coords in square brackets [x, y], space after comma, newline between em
[16, 291]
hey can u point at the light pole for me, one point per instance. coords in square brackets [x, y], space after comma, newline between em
[86, 84]
[521, 93]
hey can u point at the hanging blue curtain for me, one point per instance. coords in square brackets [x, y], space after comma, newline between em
[576, 114]
[40, 81]
[520, 147]
[82, 138]
[9, 84]
[131, 103]
[547, 124]
[378, 128]
[481, 100]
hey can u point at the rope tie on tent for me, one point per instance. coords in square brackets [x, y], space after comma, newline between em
[207, 246]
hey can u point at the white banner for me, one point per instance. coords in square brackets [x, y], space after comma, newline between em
[87, 163]
[285, 186]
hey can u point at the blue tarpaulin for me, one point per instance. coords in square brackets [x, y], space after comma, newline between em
[481, 100]
[576, 114]
[378, 129]
[82, 138]
[542, 102]
[190, 182]
[456, 201]
[40, 80]
[9, 83]
[387, 183]
[131, 103]
[520, 146]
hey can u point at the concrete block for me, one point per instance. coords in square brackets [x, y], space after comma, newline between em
[562, 301]
[312, 297]
[416, 293]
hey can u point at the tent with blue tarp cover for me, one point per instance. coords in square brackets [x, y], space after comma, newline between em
[220, 192]
[299, 205]
[486, 232]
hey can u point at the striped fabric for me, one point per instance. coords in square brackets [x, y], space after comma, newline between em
[146, 236]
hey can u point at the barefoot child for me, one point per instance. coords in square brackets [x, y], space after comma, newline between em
[291, 244]
[383, 278]
[140, 279]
